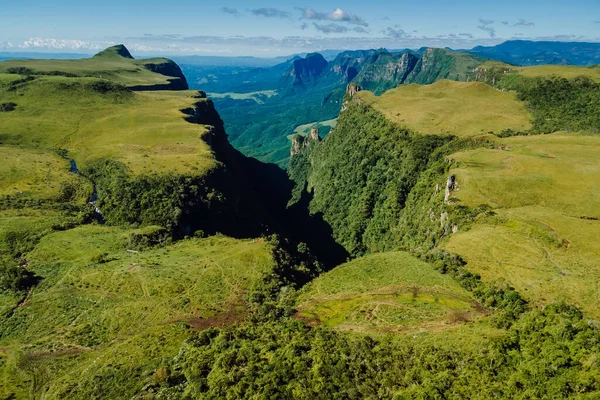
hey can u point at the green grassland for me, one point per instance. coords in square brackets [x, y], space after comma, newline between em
[259, 97]
[109, 65]
[33, 173]
[562, 71]
[542, 239]
[386, 293]
[448, 107]
[303, 129]
[144, 130]
[121, 313]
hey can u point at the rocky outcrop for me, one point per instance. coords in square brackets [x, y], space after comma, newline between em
[352, 89]
[385, 71]
[300, 143]
[451, 185]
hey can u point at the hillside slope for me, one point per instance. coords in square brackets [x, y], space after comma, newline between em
[100, 180]
[311, 90]
[425, 167]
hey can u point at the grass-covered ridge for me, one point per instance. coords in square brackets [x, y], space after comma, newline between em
[452, 108]
[145, 130]
[115, 64]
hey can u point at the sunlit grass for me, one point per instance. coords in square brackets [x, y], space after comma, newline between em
[543, 240]
[448, 107]
[386, 293]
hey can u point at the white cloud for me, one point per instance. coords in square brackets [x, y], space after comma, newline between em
[347, 38]
[62, 44]
[337, 15]
[271, 13]
[523, 22]
[5, 45]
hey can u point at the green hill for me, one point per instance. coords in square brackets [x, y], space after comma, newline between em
[100, 180]
[115, 64]
[520, 211]
[541, 239]
[388, 292]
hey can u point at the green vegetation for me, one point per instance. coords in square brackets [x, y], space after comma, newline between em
[113, 64]
[551, 353]
[119, 313]
[376, 165]
[437, 64]
[259, 97]
[146, 131]
[560, 71]
[118, 300]
[312, 90]
[447, 107]
[386, 292]
[565, 100]
[138, 259]
[541, 239]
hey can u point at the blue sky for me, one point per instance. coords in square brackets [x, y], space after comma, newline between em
[269, 28]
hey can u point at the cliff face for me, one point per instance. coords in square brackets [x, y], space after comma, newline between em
[347, 65]
[169, 68]
[366, 180]
[437, 64]
[300, 143]
[385, 71]
[304, 72]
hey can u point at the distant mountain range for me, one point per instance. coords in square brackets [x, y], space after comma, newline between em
[302, 90]
[527, 53]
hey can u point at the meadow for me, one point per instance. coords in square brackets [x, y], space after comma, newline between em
[451, 108]
[541, 238]
[144, 130]
[121, 311]
[386, 293]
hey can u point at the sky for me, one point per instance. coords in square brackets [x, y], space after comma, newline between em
[266, 28]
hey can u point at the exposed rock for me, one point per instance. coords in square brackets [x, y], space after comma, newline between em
[431, 215]
[314, 134]
[454, 228]
[299, 142]
[451, 185]
[385, 71]
[352, 89]
[304, 72]
[443, 219]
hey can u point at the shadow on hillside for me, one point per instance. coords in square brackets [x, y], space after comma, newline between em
[274, 188]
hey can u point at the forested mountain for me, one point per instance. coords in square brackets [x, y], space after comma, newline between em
[310, 90]
[245, 95]
[526, 52]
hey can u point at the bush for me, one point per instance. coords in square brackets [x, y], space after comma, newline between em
[6, 107]
[14, 278]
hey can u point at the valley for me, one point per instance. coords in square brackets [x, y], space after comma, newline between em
[416, 224]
